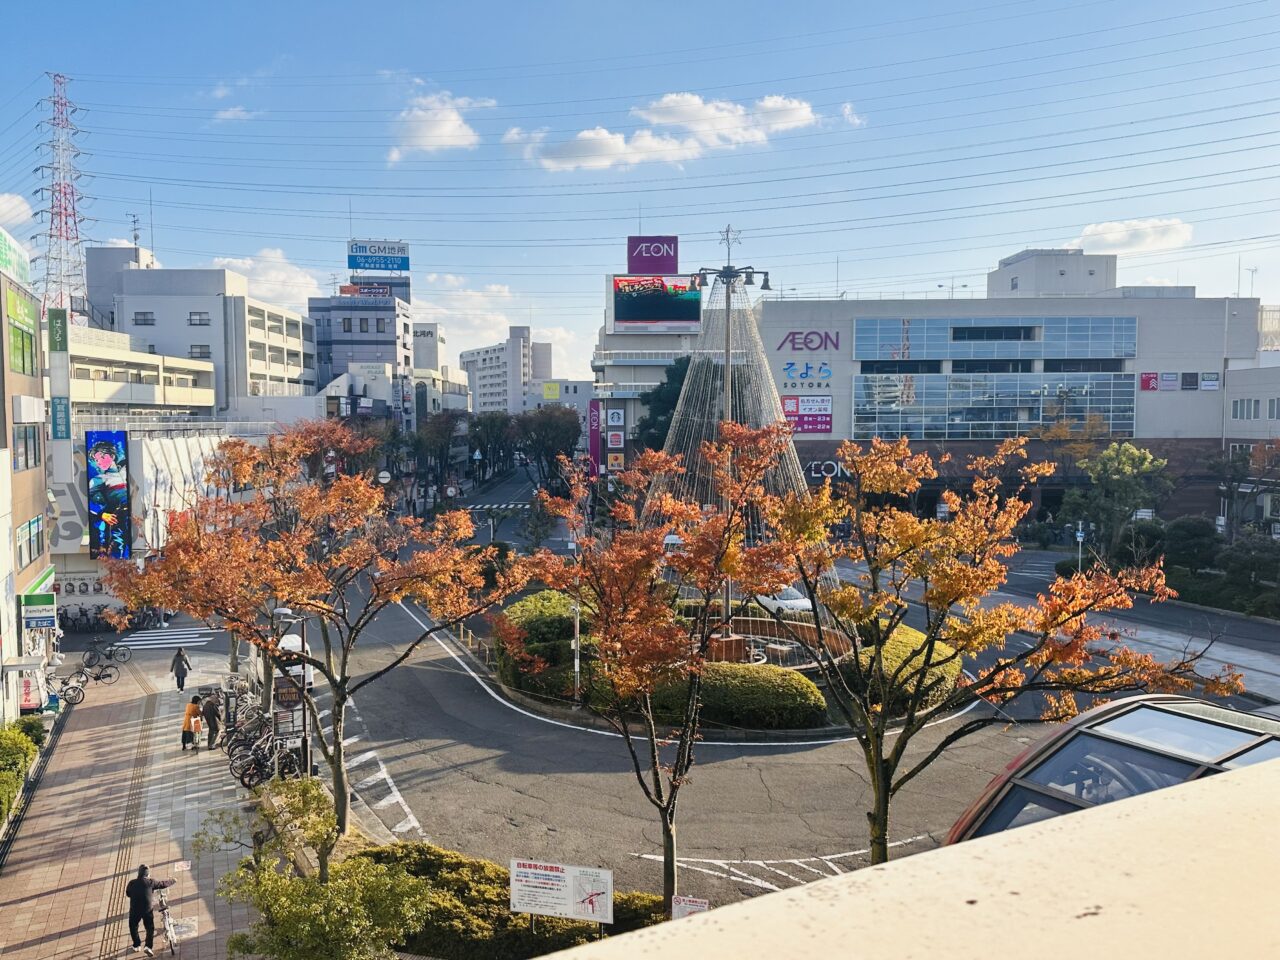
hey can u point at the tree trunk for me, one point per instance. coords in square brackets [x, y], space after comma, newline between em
[668, 862]
[268, 683]
[878, 815]
[338, 769]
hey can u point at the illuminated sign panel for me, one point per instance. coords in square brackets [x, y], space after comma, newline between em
[656, 304]
[110, 520]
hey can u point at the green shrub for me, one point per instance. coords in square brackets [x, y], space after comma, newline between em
[10, 787]
[751, 696]
[1066, 568]
[33, 727]
[1191, 542]
[468, 915]
[939, 680]
[1141, 543]
[16, 750]
[501, 555]
[545, 617]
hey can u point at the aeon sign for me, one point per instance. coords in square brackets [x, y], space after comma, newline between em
[653, 255]
[811, 340]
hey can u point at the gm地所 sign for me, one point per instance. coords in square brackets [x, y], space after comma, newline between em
[377, 255]
[559, 890]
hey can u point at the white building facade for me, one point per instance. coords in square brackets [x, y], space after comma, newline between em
[502, 375]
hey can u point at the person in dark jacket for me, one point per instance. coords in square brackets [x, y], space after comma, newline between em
[139, 891]
[212, 711]
[180, 666]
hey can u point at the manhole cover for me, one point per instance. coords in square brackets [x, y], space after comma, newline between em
[187, 928]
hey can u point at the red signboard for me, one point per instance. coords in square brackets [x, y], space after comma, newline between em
[1149, 381]
[808, 414]
[653, 255]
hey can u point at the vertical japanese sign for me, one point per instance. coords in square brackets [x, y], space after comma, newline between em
[593, 436]
[60, 451]
[110, 522]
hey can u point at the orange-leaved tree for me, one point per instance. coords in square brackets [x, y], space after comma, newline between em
[652, 585]
[913, 630]
[276, 528]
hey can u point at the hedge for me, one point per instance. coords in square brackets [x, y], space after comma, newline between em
[10, 787]
[16, 750]
[939, 680]
[749, 695]
[33, 727]
[545, 617]
[469, 916]
[1224, 592]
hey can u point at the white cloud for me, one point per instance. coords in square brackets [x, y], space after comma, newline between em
[274, 279]
[234, 113]
[1157, 282]
[1134, 236]
[220, 92]
[14, 210]
[694, 126]
[570, 356]
[436, 121]
[851, 117]
[472, 317]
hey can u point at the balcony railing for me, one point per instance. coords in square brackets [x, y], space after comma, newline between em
[636, 357]
[621, 391]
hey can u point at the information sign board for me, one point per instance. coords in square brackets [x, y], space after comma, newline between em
[559, 890]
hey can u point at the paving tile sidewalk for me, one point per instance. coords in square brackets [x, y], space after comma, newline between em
[119, 791]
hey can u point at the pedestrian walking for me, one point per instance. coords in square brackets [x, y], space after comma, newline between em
[139, 891]
[211, 710]
[180, 666]
[191, 722]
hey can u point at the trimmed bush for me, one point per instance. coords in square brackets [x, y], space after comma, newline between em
[1066, 568]
[469, 915]
[545, 617]
[33, 727]
[16, 751]
[10, 787]
[751, 696]
[939, 680]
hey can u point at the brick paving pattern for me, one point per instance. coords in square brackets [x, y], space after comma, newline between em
[119, 791]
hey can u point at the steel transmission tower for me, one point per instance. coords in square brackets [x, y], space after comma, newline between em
[64, 283]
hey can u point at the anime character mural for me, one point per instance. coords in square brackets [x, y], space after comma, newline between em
[110, 520]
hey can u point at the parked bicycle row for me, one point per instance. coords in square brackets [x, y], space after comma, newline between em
[254, 753]
[83, 619]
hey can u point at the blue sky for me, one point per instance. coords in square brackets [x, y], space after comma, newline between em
[865, 149]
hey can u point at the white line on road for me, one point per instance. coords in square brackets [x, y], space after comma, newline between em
[755, 744]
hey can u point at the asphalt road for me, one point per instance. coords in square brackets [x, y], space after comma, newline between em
[486, 778]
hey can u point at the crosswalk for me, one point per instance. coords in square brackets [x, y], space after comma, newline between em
[499, 506]
[170, 638]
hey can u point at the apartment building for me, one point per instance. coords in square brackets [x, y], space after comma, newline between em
[502, 375]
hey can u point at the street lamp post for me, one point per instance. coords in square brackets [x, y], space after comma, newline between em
[728, 275]
[577, 629]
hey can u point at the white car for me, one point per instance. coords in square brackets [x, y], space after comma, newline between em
[787, 600]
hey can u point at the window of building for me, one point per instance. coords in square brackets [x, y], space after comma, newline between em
[901, 366]
[26, 447]
[382, 325]
[1247, 409]
[198, 318]
[364, 324]
[346, 324]
[992, 366]
[29, 542]
[200, 351]
[22, 350]
[1013, 283]
[993, 333]
[1084, 366]
[1242, 449]
[144, 318]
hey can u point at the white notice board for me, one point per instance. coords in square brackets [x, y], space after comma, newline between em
[559, 890]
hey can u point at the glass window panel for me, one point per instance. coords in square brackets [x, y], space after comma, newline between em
[1270, 750]
[1018, 808]
[1177, 733]
[1100, 771]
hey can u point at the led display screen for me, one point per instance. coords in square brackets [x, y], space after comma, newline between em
[110, 519]
[665, 304]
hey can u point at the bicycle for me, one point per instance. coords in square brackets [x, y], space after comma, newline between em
[107, 673]
[68, 690]
[166, 921]
[100, 649]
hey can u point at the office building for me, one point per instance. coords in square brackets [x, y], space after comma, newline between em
[502, 375]
[575, 394]
[428, 345]
[27, 610]
[358, 328]
[258, 349]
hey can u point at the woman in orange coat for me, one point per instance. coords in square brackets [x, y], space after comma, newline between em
[191, 725]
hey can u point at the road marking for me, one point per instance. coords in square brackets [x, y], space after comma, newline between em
[366, 756]
[754, 744]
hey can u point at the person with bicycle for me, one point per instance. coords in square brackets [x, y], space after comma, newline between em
[180, 666]
[139, 891]
[191, 723]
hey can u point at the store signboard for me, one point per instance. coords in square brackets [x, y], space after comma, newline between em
[617, 440]
[617, 417]
[60, 414]
[1210, 381]
[1170, 381]
[616, 462]
[660, 255]
[39, 611]
[1149, 381]
[1191, 381]
[560, 890]
[808, 414]
[551, 391]
[14, 259]
[377, 255]
[57, 330]
[594, 436]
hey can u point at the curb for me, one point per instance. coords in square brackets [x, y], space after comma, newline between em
[9, 830]
[1230, 614]
[589, 721]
